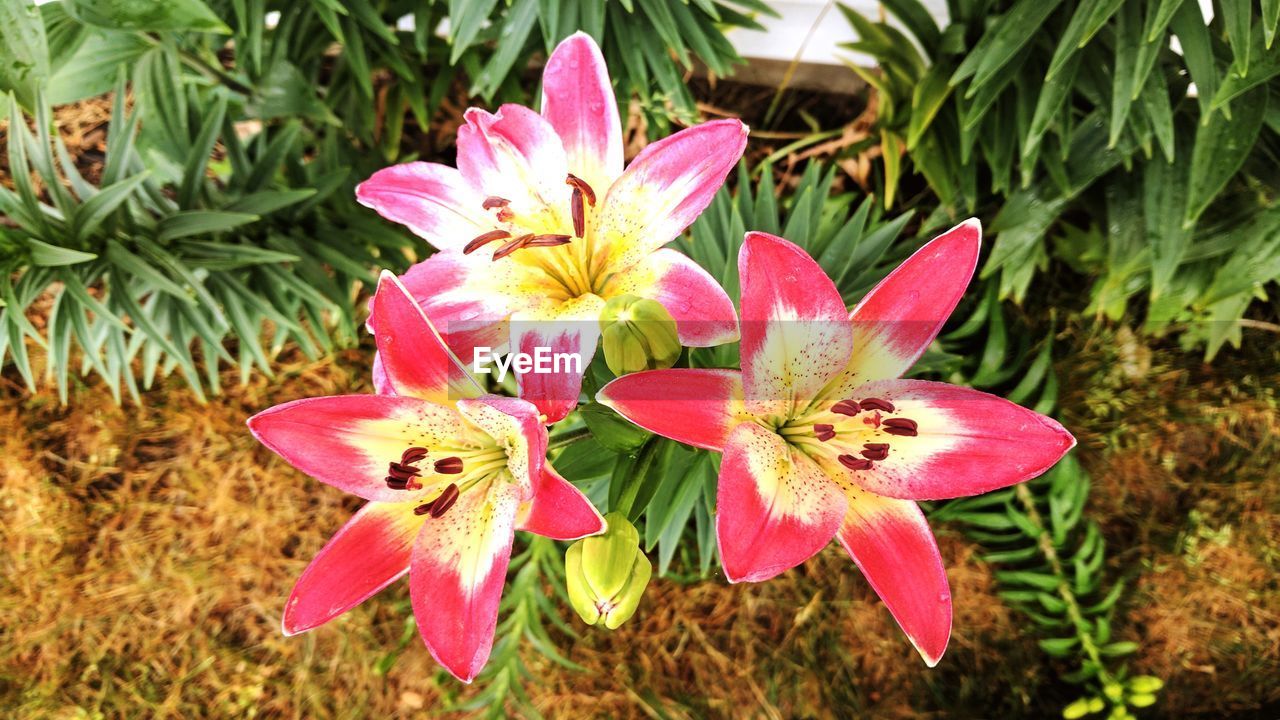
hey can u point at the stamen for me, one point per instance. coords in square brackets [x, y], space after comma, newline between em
[579, 213]
[445, 501]
[511, 246]
[824, 432]
[493, 201]
[846, 407]
[581, 186]
[548, 240]
[396, 483]
[403, 471]
[413, 455]
[482, 240]
[877, 404]
[854, 463]
[424, 508]
[449, 465]
[875, 451]
[901, 426]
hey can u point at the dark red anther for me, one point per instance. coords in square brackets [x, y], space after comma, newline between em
[579, 213]
[875, 451]
[877, 404]
[854, 463]
[901, 426]
[396, 483]
[446, 500]
[413, 455]
[493, 201]
[511, 246]
[824, 432]
[424, 508]
[846, 407]
[403, 471]
[482, 240]
[548, 240]
[449, 465]
[581, 186]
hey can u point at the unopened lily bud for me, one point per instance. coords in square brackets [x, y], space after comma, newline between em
[607, 574]
[638, 334]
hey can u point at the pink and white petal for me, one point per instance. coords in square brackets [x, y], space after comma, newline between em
[702, 310]
[968, 442]
[896, 321]
[666, 187]
[347, 441]
[468, 298]
[381, 383]
[517, 428]
[456, 576]
[559, 510]
[515, 154]
[565, 337]
[795, 328]
[894, 548]
[578, 101]
[775, 508]
[432, 200]
[693, 406]
[412, 354]
[369, 553]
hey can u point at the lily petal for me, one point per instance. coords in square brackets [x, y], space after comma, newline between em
[896, 321]
[347, 441]
[518, 429]
[412, 354]
[515, 154]
[666, 187]
[774, 507]
[795, 328]
[468, 299]
[696, 407]
[455, 580]
[559, 510]
[578, 101]
[369, 553]
[566, 337]
[432, 200]
[893, 546]
[968, 442]
[702, 310]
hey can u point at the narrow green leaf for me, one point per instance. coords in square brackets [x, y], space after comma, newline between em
[1221, 147]
[1089, 17]
[46, 255]
[200, 222]
[147, 15]
[1236, 15]
[1015, 29]
[24, 52]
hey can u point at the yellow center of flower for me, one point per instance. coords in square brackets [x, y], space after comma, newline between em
[562, 250]
[858, 433]
[443, 474]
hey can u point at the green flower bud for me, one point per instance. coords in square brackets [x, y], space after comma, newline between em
[1142, 700]
[638, 334]
[1076, 710]
[612, 430]
[607, 574]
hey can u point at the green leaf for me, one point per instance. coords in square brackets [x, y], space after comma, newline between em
[927, 99]
[147, 15]
[1260, 71]
[1221, 147]
[193, 179]
[89, 216]
[24, 52]
[1197, 50]
[1128, 40]
[466, 17]
[1089, 17]
[1015, 29]
[1270, 17]
[92, 69]
[46, 255]
[1236, 15]
[200, 222]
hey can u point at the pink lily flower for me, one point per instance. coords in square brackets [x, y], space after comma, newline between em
[450, 474]
[540, 225]
[822, 439]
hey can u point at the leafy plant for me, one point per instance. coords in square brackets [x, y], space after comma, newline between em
[225, 209]
[1077, 121]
